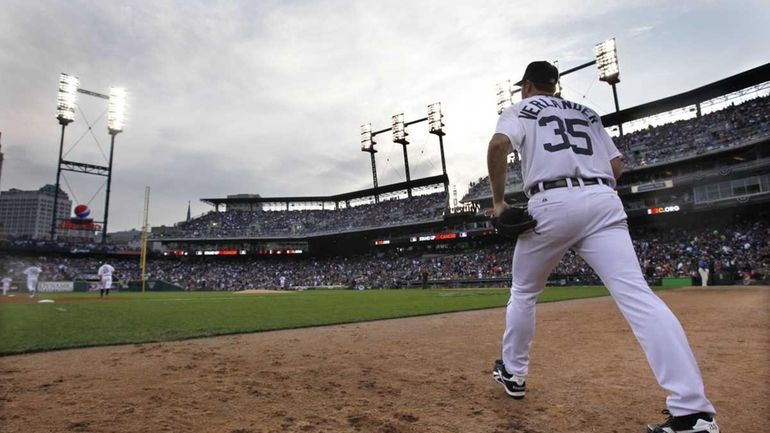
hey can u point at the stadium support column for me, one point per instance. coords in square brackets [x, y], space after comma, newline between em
[617, 106]
[109, 185]
[63, 123]
[406, 167]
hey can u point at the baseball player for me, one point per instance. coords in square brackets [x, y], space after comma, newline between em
[32, 273]
[105, 276]
[703, 271]
[6, 285]
[569, 166]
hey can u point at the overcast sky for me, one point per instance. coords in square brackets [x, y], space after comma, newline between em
[267, 97]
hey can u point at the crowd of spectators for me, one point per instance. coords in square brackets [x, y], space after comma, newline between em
[740, 251]
[683, 139]
[19, 243]
[413, 210]
[729, 127]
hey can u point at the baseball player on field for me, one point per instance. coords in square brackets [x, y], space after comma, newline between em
[569, 166]
[6, 285]
[105, 276]
[703, 271]
[32, 273]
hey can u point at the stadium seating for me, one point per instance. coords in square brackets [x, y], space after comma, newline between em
[736, 250]
[282, 223]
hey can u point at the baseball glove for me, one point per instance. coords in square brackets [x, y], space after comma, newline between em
[513, 222]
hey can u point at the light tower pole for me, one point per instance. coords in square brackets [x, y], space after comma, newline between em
[399, 136]
[436, 127]
[609, 71]
[67, 102]
[116, 118]
[367, 145]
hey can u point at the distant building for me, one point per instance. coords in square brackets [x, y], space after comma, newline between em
[29, 213]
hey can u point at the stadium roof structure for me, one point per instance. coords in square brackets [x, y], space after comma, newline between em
[369, 192]
[716, 89]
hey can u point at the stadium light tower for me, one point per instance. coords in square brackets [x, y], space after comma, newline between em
[608, 69]
[504, 96]
[398, 126]
[606, 61]
[436, 127]
[116, 119]
[65, 112]
[69, 87]
[399, 136]
[367, 145]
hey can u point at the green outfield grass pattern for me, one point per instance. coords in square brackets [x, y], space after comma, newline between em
[82, 319]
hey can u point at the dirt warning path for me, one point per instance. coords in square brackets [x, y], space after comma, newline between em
[426, 374]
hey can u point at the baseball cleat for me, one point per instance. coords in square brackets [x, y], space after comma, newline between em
[696, 423]
[513, 386]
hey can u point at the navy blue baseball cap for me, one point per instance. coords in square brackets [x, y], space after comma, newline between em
[540, 72]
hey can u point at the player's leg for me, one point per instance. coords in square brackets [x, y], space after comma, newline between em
[535, 255]
[533, 261]
[610, 253]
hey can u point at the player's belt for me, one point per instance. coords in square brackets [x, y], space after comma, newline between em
[562, 183]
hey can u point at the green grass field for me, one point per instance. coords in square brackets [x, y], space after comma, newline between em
[82, 319]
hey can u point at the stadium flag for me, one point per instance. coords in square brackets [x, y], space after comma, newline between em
[188, 211]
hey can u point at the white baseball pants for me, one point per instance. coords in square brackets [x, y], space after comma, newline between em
[704, 277]
[591, 220]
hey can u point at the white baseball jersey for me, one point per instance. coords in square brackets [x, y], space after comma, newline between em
[105, 271]
[32, 273]
[557, 139]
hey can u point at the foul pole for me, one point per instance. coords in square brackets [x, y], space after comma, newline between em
[143, 258]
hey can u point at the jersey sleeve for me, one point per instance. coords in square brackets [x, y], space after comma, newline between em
[510, 125]
[612, 150]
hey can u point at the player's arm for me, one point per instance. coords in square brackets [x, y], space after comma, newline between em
[617, 167]
[497, 158]
[616, 158]
[508, 136]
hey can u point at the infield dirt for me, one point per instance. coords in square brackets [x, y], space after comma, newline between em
[422, 374]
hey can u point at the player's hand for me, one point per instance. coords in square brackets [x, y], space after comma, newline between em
[497, 209]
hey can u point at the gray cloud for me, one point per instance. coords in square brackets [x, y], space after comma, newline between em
[267, 97]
